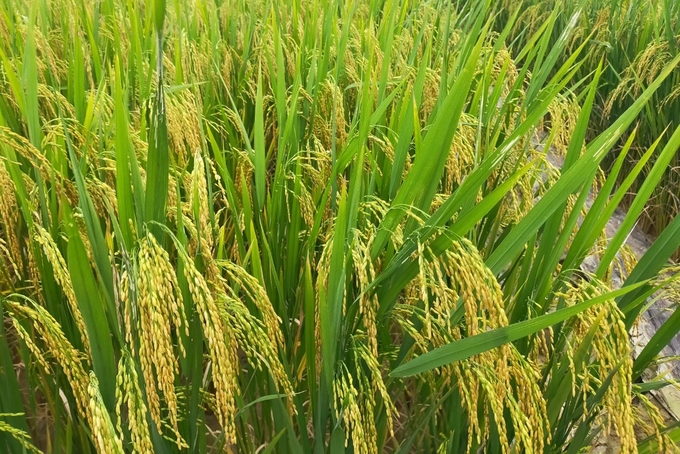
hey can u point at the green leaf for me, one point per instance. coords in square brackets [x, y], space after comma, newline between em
[259, 163]
[158, 161]
[30, 80]
[641, 198]
[95, 234]
[330, 310]
[272, 444]
[648, 266]
[159, 15]
[123, 150]
[661, 338]
[573, 179]
[92, 307]
[421, 183]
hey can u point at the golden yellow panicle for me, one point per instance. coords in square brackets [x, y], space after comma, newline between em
[491, 384]
[649, 419]
[103, 433]
[258, 295]
[103, 197]
[8, 263]
[62, 277]
[611, 347]
[378, 386]
[159, 311]
[200, 197]
[331, 110]
[367, 407]
[461, 158]
[33, 271]
[126, 304]
[184, 131]
[564, 112]
[347, 408]
[365, 274]
[9, 212]
[85, 389]
[430, 94]
[221, 346]
[129, 392]
[32, 347]
[21, 436]
[642, 72]
[60, 348]
[257, 345]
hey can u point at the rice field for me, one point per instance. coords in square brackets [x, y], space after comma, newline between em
[635, 39]
[324, 226]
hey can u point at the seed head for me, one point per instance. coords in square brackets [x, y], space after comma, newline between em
[159, 313]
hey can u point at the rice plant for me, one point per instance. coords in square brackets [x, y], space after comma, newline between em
[316, 226]
[635, 39]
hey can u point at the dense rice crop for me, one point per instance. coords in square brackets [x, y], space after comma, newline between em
[317, 226]
[634, 39]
